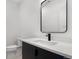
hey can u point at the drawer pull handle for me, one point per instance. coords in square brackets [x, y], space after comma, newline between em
[36, 52]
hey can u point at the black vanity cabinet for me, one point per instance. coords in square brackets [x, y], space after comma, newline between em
[43, 54]
[33, 52]
[28, 51]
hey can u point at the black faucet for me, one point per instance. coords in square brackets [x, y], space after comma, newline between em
[49, 36]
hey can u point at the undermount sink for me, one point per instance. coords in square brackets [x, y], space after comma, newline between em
[46, 42]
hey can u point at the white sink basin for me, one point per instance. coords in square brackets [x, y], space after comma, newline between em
[46, 42]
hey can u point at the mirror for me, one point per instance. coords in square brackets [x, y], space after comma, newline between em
[53, 16]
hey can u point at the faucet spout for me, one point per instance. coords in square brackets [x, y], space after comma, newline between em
[49, 37]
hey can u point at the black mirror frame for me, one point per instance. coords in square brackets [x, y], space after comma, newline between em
[66, 18]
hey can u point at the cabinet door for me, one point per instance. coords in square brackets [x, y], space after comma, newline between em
[28, 51]
[43, 54]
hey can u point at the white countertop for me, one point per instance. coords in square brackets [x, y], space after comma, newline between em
[61, 48]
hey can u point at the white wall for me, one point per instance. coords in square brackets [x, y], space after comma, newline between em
[23, 20]
[12, 22]
[30, 18]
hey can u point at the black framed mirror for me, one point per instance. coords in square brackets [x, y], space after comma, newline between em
[53, 16]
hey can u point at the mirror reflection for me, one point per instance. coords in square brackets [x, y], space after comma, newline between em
[53, 16]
